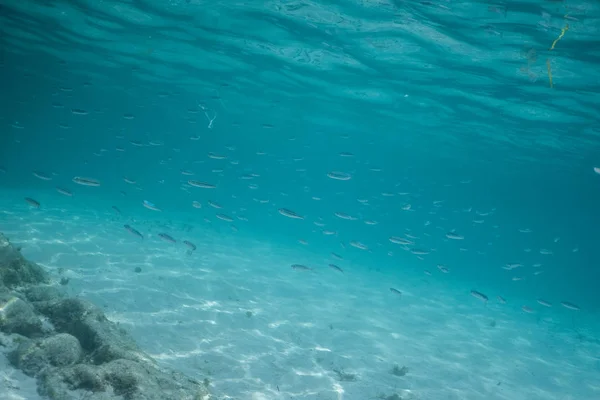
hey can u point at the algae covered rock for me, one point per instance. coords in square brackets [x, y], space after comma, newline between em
[102, 339]
[72, 348]
[33, 356]
[119, 379]
[18, 316]
[15, 270]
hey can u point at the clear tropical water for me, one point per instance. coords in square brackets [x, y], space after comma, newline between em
[469, 130]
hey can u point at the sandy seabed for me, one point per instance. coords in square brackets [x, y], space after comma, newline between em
[235, 313]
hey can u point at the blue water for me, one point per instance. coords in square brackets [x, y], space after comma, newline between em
[458, 115]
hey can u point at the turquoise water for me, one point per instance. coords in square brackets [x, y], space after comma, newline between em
[447, 117]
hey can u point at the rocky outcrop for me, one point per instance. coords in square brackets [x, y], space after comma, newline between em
[69, 345]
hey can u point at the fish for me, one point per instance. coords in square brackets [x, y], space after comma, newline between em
[42, 176]
[167, 238]
[86, 181]
[116, 210]
[443, 268]
[345, 216]
[134, 231]
[150, 206]
[454, 236]
[215, 156]
[333, 266]
[64, 191]
[399, 240]
[189, 244]
[32, 202]
[301, 267]
[202, 185]
[570, 305]
[290, 214]
[359, 245]
[479, 295]
[396, 291]
[224, 217]
[214, 205]
[339, 176]
[544, 303]
[501, 299]
[420, 252]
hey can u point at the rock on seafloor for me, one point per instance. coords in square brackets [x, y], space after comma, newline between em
[69, 345]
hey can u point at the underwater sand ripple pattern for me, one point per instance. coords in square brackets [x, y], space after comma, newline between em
[279, 333]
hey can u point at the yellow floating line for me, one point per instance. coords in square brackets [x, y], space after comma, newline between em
[562, 33]
[549, 72]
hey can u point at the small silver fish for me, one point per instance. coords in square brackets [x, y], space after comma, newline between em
[290, 214]
[544, 303]
[32, 202]
[570, 305]
[133, 231]
[202, 185]
[395, 291]
[189, 244]
[166, 237]
[301, 267]
[333, 266]
[86, 181]
[479, 295]
[64, 191]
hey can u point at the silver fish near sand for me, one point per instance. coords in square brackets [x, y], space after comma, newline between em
[189, 244]
[479, 295]
[301, 267]
[166, 237]
[33, 203]
[133, 231]
[150, 206]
